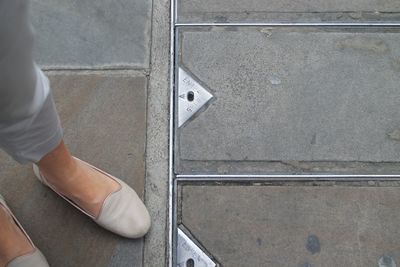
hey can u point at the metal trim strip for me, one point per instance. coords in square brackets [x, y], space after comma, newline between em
[291, 24]
[284, 177]
[171, 250]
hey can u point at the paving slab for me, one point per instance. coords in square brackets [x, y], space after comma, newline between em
[293, 95]
[87, 34]
[314, 10]
[104, 119]
[294, 225]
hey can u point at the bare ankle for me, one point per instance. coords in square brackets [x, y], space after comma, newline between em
[58, 166]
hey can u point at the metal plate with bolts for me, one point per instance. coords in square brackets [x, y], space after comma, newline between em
[189, 254]
[285, 117]
[175, 235]
[192, 96]
[301, 225]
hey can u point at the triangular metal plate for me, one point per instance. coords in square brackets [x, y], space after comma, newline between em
[187, 250]
[192, 96]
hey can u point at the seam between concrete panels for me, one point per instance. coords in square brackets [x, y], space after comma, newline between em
[145, 191]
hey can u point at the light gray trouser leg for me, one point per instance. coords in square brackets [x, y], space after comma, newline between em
[29, 124]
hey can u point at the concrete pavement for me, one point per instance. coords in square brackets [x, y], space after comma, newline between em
[294, 225]
[97, 56]
[93, 117]
[287, 100]
[85, 34]
[290, 100]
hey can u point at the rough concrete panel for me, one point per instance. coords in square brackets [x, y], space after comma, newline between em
[84, 34]
[156, 241]
[294, 95]
[226, 10]
[104, 119]
[245, 167]
[294, 225]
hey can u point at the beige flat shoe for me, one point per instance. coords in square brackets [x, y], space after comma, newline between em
[122, 213]
[32, 259]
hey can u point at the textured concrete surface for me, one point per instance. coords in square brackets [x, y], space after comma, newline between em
[294, 95]
[104, 114]
[157, 138]
[294, 225]
[232, 10]
[245, 167]
[86, 34]
[104, 117]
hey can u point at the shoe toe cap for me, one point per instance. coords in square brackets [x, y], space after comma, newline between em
[35, 259]
[124, 213]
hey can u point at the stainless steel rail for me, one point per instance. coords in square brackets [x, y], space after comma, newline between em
[292, 24]
[172, 232]
[284, 177]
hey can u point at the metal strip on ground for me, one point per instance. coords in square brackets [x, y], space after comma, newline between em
[293, 24]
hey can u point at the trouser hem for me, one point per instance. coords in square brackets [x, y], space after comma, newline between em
[33, 138]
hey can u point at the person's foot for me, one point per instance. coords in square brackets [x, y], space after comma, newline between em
[13, 242]
[109, 201]
[85, 186]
